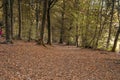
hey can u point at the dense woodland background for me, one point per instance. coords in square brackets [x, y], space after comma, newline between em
[84, 23]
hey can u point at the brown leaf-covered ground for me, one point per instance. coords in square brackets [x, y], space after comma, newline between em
[28, 61]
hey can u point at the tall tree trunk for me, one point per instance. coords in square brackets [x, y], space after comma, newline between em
[62, 24]
[49, 27]
[118, 32]
[37, 18]
[77, 36]
[49, 24]
[30, 22]
[76, 5]
[30, 32]
[51, 3]
[41, 41]
[20, 20]
[116, 39]
[11, 10]
[110, 27]
[7, 20]
[86, 44]
[98, 36]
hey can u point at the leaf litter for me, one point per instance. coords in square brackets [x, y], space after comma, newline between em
[28, 61]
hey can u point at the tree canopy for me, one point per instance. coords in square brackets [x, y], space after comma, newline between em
[84, 23]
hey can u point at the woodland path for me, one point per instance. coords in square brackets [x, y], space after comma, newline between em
[28, 61]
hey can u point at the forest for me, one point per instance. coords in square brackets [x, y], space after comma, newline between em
[59, 40]
[84, 23]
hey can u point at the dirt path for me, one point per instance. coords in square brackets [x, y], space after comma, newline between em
[27, 61]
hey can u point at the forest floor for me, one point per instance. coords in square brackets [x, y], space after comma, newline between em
[28, 61]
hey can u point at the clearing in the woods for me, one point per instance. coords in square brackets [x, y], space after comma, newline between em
[28, 61]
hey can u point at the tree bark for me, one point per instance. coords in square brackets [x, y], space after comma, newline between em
[37, 18]
[49, 26]
[20, 19]
[110, 27]
[77, 36]
[62, 24]
[11, 10]
[7, 20]
[50, 5]
[41, 41]
[116, 40]
[118, 32]
[76, 5]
